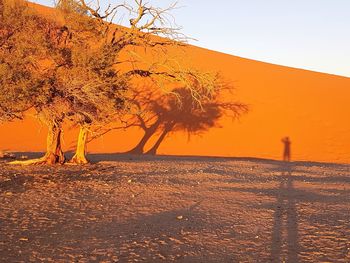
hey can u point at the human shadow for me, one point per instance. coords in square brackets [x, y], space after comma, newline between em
[285, 220]
[159, 115]
[287, 236]
[286, 151]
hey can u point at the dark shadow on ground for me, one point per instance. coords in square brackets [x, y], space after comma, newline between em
[147, 238]
[285, 220]
[99, 157]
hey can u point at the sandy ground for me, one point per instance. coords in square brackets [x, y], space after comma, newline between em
[176, 209]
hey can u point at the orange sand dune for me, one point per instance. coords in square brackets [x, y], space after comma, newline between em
[311, 108]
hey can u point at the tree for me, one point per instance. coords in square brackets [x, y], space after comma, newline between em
[40, 61]
[27, 64]
[95, 90]
[112, 63]
[33, 52]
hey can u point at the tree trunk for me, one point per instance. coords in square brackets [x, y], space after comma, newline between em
[79, 156]
[153, 150]
[139, 148]
[54, 153]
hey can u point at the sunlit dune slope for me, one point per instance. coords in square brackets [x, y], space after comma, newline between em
[311, 108]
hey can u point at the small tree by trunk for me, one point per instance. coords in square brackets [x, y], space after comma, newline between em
[79, 156]
[54, 153]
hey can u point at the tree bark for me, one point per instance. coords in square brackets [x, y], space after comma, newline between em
[139, 148]
[54, 153]
[80, 153]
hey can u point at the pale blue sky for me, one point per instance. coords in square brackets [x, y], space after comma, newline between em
[309, 34]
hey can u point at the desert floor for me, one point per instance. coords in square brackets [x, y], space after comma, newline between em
[163, 209]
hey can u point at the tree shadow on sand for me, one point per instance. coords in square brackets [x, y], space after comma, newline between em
[179, 111]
